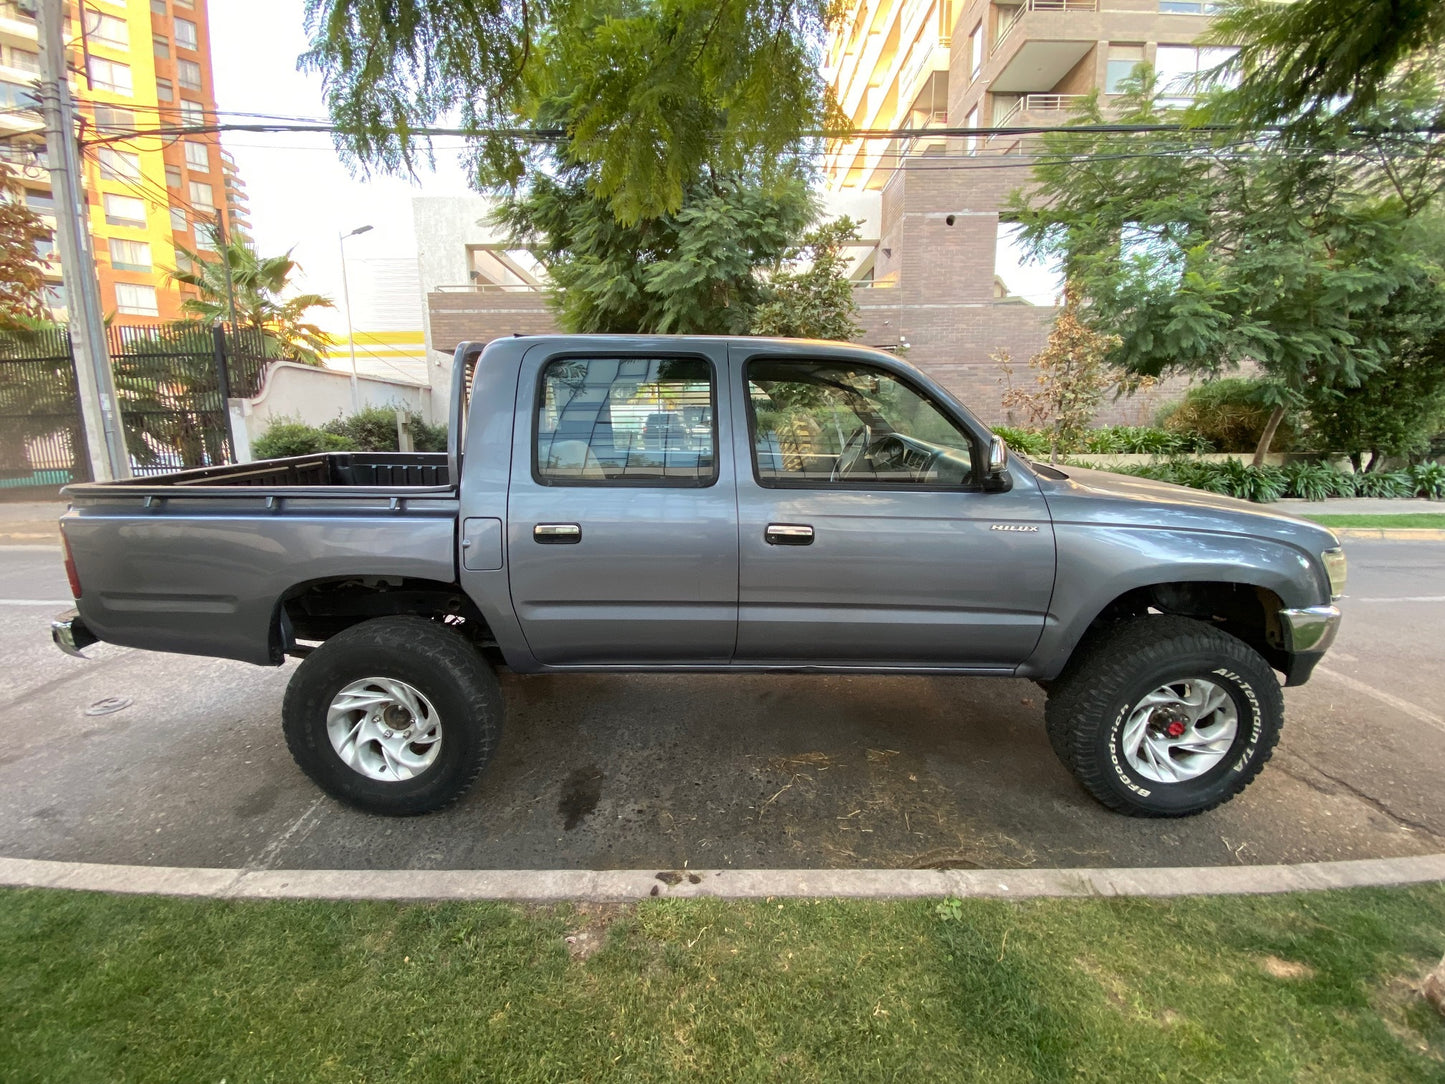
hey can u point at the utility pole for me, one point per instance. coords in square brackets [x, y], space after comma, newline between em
[104, 433]
[346, 300]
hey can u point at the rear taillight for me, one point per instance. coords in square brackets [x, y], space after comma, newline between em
[70, 573]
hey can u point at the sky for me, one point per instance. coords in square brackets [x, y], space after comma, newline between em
[301, 194]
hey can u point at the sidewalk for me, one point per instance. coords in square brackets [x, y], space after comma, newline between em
[30, 522]
[1357, 506]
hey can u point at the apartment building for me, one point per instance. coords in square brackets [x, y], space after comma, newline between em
[136, 64]
[947, 279]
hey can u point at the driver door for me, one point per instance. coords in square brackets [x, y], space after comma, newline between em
[865, 538]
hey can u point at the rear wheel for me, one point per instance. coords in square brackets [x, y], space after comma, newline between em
[398, 716]
[1164, 716]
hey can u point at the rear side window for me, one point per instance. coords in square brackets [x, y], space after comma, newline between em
[626, 421]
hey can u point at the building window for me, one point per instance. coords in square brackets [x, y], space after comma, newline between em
[970, 143]
[43, 202]
[198, 156]
[193, 114]
[24, 60]
[975, 51]
[124, 210]
[1185, 71]
[45, 247]
[129, 255]
[201, 196]
[164, 91]
[626, 421]
[178, 220]
[107, 29]
[188, 74]
[1188, 7]
[161, 45]
[134, 299]
[1123, 59]
[186, 34]
[15, 97]
[110, 119]
[1019, 279]
[54, 296]
[108, 75]
[118, 165]
[173, 176]
[158, 7]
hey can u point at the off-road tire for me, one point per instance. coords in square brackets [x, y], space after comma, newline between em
[1116, 667]
[433, 659]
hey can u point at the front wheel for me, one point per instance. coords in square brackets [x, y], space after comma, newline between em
[398, 715]
[1165, 716]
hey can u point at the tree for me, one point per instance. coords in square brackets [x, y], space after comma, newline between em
[22, 271]
[1204, 250]
[646, 92]
[1313, 57]
[810, 296]
[256, 283]
[1071, 377]
[693, 271]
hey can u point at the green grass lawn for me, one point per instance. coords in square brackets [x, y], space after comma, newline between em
[1287, 988]
[1404, 519]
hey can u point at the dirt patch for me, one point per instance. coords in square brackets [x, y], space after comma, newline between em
[588, 932]
[1286, 969]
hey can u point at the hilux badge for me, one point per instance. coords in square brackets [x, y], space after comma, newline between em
[1024, 527]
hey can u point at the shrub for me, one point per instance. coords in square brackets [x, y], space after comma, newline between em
[1029, 442]
[1385, 483]
[287, 438]
[1313, 481]
[372, 430]
[428, 438]
[1230, 414]
[1429, 480]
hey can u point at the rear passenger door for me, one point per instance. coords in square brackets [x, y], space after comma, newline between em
[622, 510]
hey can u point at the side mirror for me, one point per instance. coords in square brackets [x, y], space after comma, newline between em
[996, 478]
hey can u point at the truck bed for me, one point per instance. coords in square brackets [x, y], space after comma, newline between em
[323, 469]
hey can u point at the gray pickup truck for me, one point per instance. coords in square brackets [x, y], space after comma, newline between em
[648, 503]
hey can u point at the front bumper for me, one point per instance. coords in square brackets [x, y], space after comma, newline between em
[71, 634]
[1308, 634]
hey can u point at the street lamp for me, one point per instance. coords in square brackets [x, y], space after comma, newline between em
[346, 301]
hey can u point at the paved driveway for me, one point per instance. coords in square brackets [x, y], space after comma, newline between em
[748, 771]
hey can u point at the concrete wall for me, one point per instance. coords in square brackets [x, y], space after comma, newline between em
[304, 393]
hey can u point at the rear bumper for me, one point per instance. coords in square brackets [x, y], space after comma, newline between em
[1308, 634]
[71, 634]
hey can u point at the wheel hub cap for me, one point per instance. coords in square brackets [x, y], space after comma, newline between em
[384, 729]
[1180, 731]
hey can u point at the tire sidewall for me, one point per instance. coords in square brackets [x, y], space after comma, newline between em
[323, 675]
[1240, 682]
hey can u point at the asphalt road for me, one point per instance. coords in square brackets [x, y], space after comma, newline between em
[674, 771]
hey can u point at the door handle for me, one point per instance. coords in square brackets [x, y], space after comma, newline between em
[788, 534]
[555, 534]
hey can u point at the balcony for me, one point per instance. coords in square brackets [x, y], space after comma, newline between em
[1007, 23]
[1040, 43]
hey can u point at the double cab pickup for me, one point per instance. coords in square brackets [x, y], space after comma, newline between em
[652, 503]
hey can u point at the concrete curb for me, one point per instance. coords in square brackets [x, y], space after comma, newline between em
[624, 886]
[1391, 534]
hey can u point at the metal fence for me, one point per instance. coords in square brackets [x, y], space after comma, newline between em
[172, 384]
[42, 437]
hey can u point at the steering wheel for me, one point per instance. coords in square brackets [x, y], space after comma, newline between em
[853, 450]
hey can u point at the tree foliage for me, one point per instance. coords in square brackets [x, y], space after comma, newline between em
[258, 286]
[22, 271]
[809, 296]
[686, 272]
[1205, 250]
[1314, 57]
[1071, 377]
[645, 92]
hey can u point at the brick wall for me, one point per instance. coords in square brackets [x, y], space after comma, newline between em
[482, 315]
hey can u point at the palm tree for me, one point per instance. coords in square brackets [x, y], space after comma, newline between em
[255, 285]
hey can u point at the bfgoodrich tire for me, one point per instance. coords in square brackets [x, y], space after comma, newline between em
[1164, 716]
[398, 715]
